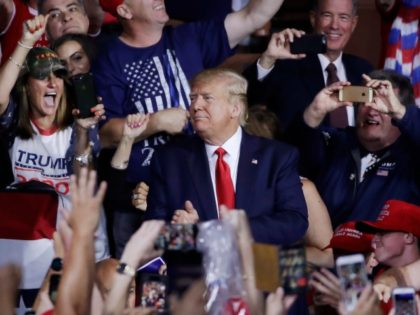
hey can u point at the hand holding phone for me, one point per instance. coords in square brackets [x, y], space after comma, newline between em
[404, 301]
[353, 278]
[84, 93]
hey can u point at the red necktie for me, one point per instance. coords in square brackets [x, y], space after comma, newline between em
[224, 185]
[338, 117]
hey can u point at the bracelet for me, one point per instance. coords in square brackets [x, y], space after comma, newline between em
[17, 64]
[125, 269]
[23, 45]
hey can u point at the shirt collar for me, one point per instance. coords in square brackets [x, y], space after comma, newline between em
[231, 146]
[325, 62]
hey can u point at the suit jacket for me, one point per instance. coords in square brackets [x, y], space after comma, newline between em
[292, 85]
[267, 187]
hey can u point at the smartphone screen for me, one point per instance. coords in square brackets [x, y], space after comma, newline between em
[309, 44]
[293, 275]
[84, 93]
[177, 237]
[353, 278]
[151, 291]
[404, 301]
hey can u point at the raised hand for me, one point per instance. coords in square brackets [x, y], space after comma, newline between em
[385, 100]
[134, 125]
[324, 102]
[279, 47]
[33, 30]
[98, 114]
[327, 288]
[84, 217]
[277, 303]
[140, 193]
[187, 216]
[140, 248]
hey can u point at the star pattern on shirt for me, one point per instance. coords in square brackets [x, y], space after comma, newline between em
[143, 79]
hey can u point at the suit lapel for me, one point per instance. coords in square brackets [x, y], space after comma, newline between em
[200, 174]
[247, 173]
[353, 76]
[311, 74]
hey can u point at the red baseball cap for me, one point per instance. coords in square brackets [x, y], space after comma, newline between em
[348, 239]
[396, 215]
[110, 6]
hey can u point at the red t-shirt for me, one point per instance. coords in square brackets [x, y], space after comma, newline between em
[14, 32]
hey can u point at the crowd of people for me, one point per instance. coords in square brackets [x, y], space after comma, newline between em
[274, 155]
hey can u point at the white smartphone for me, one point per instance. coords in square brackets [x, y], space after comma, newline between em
[353, 278]
[404, 301]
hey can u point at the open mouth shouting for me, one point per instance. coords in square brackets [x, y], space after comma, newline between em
[49, 99]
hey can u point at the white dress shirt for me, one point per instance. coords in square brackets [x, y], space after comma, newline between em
[232, 147]
[341, 74]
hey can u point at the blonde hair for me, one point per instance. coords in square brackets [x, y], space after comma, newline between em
[236, 87]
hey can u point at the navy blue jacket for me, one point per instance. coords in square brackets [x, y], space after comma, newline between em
[336, 158]
[267, 187]
[292, 85]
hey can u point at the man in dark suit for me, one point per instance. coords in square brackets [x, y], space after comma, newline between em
[287, 87]
[186, 187]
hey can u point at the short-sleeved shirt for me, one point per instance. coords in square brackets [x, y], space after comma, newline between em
[155, 78]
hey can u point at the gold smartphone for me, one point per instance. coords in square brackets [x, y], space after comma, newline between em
[357, 94]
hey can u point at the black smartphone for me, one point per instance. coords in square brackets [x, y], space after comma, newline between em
[293, 274]
[177, 237]
[53, 287]
[183, 269]
[309, 44]
[151, 291]
[84, 93]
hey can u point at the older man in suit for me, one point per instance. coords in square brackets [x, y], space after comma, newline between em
[287, 87]
[221, 164]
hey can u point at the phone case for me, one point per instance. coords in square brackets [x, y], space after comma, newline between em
[266, 263]
[309, 44]
[353, 278]
[84, 93]
[357, 94]
[404, 301]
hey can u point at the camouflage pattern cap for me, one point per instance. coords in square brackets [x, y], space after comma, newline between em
[41, 62]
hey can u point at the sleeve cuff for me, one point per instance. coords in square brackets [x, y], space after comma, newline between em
[262, 72]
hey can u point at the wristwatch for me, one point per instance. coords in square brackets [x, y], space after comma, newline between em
[125, 269]
[83, 159]
[57, 264]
